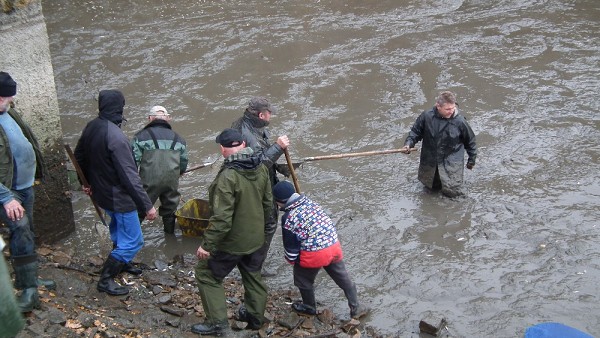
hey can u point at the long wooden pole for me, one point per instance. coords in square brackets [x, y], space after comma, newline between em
[292, 171]
[199, 166]
[364, 153]
[84, 181]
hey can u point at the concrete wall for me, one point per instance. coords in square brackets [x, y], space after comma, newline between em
[25, 54]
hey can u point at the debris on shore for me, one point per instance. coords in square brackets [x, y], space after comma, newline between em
[162, 302]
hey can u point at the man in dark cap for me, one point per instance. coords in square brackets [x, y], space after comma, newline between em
[21, 163]
[240, 200]
[104, 155]
[253, 126]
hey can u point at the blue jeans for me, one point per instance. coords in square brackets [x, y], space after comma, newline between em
[126, 234]
[22, 239]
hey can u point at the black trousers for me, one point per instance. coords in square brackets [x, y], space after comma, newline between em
[304, 278]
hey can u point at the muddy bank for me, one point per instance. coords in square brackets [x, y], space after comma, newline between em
[162, 302]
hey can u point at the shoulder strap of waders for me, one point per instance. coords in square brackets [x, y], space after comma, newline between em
[174, 142]
[153, 137]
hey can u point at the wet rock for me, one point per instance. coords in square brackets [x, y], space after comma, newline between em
[351, 327]
[432, 324]
[268, 317]
[61, 258]
[326, 316]
[160, 265]
[59, 331]
[290, 321]
[237, 325]
[96, 261]
[37, 328]
[110, 334]
[175, 322]
[173, 310]
[56, 316]
[156, 289]
[162, 278]
[186, 260]
[86, 319]
[308, 323]
[164, 299]
[44, 251]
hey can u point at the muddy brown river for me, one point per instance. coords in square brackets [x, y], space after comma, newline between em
[522, 247]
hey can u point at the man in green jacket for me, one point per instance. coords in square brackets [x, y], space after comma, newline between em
[21, 163]
[240, 200]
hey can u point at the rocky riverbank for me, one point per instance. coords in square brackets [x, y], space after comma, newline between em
[163, 302]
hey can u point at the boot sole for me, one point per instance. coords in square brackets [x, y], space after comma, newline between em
[113, 293]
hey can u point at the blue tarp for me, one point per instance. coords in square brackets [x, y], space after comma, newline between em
[554, 330]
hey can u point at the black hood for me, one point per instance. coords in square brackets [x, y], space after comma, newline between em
[110, 106]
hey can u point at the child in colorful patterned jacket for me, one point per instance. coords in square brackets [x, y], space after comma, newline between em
[310, 242]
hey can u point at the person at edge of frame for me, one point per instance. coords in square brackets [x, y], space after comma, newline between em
[21, 166]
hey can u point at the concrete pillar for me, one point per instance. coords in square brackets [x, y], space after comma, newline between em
[25, 54]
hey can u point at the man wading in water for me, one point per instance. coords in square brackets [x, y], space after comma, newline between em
[446, 135]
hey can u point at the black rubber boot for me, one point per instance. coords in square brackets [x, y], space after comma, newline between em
[357, 310]
[130, 268]
[47, 283]
[308, 305]
[110, 270]
[26, 268]
[243, 316]
[220, 329]
[169, 224]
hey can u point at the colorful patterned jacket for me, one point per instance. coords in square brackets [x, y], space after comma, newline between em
[309, 235]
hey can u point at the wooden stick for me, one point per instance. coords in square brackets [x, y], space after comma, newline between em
[365, 153]
[292, 171]
[199, 166]
[84, 181]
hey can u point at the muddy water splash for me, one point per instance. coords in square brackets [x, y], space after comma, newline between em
[521, 248]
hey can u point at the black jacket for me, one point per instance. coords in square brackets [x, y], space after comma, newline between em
[104, 155]
[444, 145]
[256, 135]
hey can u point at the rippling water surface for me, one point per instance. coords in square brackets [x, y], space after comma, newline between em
[521, 248]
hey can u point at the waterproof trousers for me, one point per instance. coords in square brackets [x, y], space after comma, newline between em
[270, 229]
[11, 320]
[126, 233]
[210, 274]
[304, 279]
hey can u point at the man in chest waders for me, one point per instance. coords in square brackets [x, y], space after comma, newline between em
[161, 156]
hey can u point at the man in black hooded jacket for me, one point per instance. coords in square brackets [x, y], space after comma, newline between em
[104, 155]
